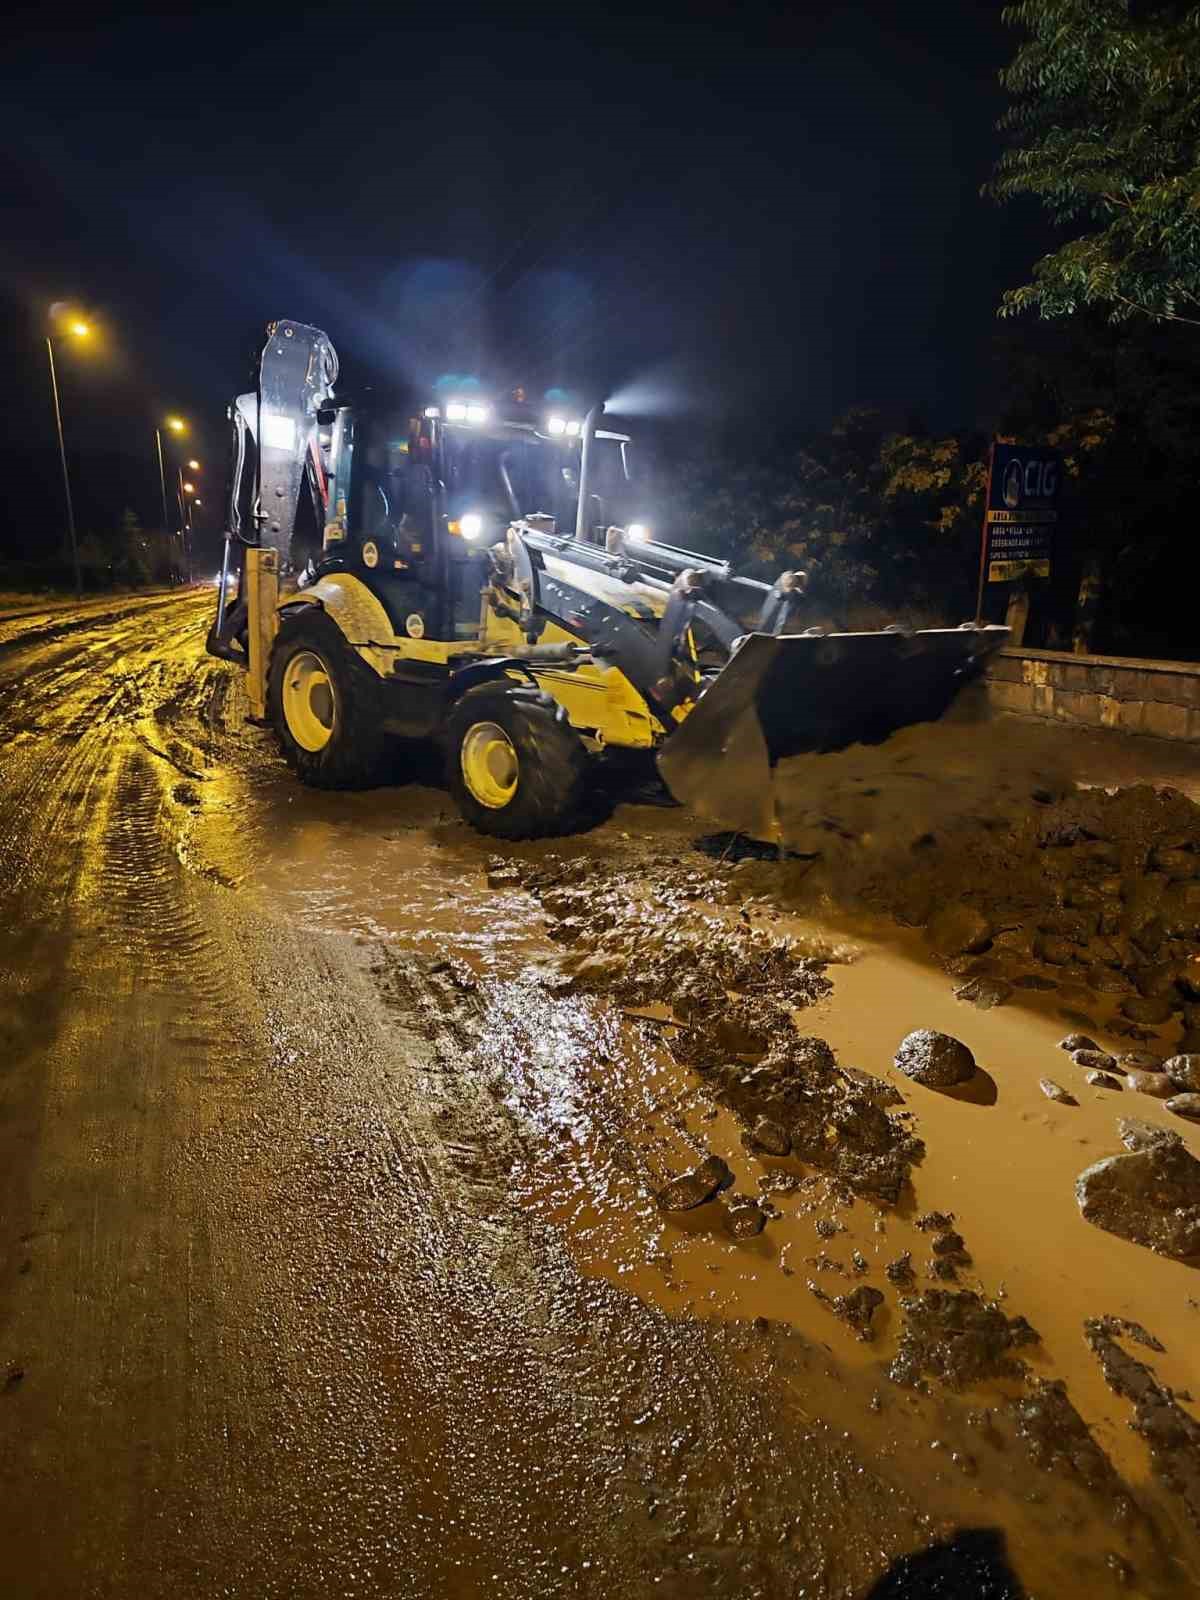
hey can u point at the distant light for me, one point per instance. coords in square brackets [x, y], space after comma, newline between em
[189, 488]
[197, 502]
[637, 531]
[176, 424]
[556, 425]
[194, 466]
[456, 411]
[471, 525]
[433, 411]
[573, 428]
[478, 414]
[80, 330]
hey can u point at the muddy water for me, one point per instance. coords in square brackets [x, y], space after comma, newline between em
[612, 1117]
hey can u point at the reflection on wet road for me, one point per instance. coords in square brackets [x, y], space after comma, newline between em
[332, 1262]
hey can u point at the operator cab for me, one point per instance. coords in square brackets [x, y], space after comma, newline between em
[430, 494]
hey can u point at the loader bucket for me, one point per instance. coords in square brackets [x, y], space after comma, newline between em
[786, 695]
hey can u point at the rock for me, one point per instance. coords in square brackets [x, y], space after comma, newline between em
[958, 930]
[1152, 1083]
[1055, 1091]
[1094, 1060]
[958, 1338]
[857, 1308]
[1055, 952]
[1142, 1061]
[900, 1270]
[1151, 1011]
[1077, 1041]
[1185, 1105]
[945, 1244]
[1103, 1080]
[597, 971]
[1183, 1071]
[984, 992]
[503, 875]
[934, 1059]
[695, 1187]
[1150, 1197]
[745, 1219]
[933, 1221]
[1138, 1135]
[770, 1138]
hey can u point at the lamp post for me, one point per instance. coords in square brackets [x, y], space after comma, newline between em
[175, 425]
[78, 330]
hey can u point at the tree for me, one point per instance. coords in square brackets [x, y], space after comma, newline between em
[1105, 129]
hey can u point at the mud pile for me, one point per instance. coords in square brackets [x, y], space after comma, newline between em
[732, 992]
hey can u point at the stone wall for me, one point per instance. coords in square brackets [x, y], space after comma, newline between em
[1161, 698]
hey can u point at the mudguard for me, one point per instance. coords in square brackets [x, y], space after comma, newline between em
[785, 695]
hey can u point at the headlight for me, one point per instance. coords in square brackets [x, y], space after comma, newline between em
[573, 428]
[556, 425]
[478, 414]
[456, 411]
[432, 411]
[637, 531]
[471, 525]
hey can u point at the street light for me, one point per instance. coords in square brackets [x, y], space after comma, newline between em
[177, 424]
[194, 466]
[189, 488]
[78, 330]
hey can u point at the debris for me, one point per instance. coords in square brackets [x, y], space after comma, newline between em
[900, 1270]
[1172, 1435]
[945, 1244]
[958, 1338]
[1183, 1071]
[857, 1308]
[770, 1137]
[1077, 1041]
[934, 1059]
[984, 992]
[744, 1218]
[933, 1221]
[1123, 1328]
[1150, 1196]
[1152, 1083]
[695, 1187]
[1055, 1091]
[1059, 1440]
[1096, 1060]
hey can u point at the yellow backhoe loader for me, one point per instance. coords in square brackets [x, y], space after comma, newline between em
[478, 576]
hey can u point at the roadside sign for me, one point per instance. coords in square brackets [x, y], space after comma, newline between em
[1020, 515]
[1022, 511]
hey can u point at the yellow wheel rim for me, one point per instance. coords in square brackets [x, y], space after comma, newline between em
[309, 708]
[489, 765]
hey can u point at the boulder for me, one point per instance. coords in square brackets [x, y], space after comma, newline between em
[1077, 1041]
[695, 1187]
[934, 1059]
[1103, 1080]
[1094, 1060]
[984, 992]
[770, 1137]
[1138, 1135]
[1152, 1083]
[1150, 1196]
[1184, 1072]
[1142, 1061]
[1185, 1105]
[958, 930]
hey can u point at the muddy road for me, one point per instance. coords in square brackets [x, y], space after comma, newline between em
[330, 1140]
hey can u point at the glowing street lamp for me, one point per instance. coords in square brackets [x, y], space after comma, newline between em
[194, 466]
[78, 329]
[189, 488]
[177, 424]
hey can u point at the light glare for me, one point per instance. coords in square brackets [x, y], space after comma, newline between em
[638, 531]
[456, 411]
[556, 425]
[478, 414]
[471, 525]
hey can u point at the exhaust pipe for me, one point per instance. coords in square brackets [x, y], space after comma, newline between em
[585, 470]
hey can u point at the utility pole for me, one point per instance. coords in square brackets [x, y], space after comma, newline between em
[62, 453]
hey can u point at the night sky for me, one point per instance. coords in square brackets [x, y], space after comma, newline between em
[732, 209]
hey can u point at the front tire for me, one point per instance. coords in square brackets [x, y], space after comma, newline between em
[516, 770]
[325, 705]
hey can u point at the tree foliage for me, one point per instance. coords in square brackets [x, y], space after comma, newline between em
[1105, 132]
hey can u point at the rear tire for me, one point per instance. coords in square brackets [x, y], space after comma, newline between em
[515, 770]
[325, 705]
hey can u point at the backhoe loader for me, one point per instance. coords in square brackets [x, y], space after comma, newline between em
[478, 577]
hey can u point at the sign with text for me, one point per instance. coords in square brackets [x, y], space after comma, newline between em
[1022, 512]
